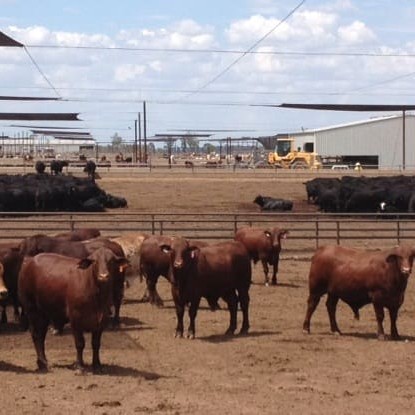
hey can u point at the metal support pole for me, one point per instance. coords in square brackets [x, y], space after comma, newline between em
[403, 140]
[145, 132]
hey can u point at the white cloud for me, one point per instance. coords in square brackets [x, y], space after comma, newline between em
[355, 33]
[128, 72]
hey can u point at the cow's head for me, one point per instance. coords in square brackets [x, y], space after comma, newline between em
[105, 264]
[3, 289]
[402, 256]
[275, 235]
[259, 200]
[182, 255]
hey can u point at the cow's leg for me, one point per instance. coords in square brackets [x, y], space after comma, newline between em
[331, 305]
[153, 296]
[380, 315]
[274, 272]
[232, 301]
[3, 315]
[96, 344]
[16, 311]
[179, 305]
[194, 306]
[244, 301]
[266, 271]
[312, 304]
[38, 329]
[80, 345]
[393, 313]
[118, 295]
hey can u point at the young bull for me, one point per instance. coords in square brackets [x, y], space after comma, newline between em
[215, 271]
[59, 289]
[358, 278]
[263, 245]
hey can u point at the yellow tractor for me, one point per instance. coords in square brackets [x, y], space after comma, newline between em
[284, 156]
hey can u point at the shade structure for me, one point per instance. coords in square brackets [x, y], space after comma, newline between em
[17, 98]
[7, 41]
[347, 107]
[37, 116]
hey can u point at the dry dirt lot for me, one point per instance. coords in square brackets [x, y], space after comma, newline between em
[275, 369]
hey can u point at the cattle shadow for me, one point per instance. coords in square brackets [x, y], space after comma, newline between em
[131, 321]
[223, 338]
[10, 367]
[280, 284]
[112, 370]
[374, 336]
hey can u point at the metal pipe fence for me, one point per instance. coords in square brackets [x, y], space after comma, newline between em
[306, 231]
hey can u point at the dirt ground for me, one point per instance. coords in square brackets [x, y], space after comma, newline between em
[275, 369]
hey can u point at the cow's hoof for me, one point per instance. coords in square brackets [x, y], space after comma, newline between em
[381, 337]
[306, 331]
[178, 335]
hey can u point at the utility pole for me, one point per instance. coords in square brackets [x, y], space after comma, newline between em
[139, 138]
[145, 132]
[135, 141]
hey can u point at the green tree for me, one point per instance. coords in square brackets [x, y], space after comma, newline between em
[116, 140]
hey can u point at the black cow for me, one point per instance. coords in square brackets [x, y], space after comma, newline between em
[271, 203]
[56, 166]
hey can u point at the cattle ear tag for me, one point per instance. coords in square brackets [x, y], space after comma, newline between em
[267, 234]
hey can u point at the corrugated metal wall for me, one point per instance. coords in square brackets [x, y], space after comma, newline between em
[382, 137]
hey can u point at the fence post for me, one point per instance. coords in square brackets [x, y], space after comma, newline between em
[338, 232]
[317, 233]
[235, 223]
[161, 227]
[153, 225]
[71, 223]
[398, 231]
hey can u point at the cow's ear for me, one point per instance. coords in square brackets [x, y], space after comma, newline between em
[284, 233]
[123, 264]
[165, 248]
[84, 263]
[194, 251]
[391, 257]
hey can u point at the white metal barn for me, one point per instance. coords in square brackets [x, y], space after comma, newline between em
[377, 141]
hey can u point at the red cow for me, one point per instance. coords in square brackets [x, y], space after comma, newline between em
[155, 262]
[214, 271]
[81, 234]
[263, 245]
[78, 249]
[358, 278]
[59, 289]
[3, 288]
[11, 261]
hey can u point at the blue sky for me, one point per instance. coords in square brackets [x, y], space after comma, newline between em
[144, 55]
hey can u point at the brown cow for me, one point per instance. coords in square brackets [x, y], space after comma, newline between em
[131, 244]
[56, 288]
[11, 261]
[3, 288]
[263, 245]
[215, 271]
[78, 249]
[81, 234]
[358, 278]
[155, 262]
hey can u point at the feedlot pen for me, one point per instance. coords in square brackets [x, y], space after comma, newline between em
[306, 231]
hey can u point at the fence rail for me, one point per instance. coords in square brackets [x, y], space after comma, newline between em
[306, 231]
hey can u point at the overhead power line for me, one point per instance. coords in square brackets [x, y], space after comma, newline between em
[238, 59]
[231, 52]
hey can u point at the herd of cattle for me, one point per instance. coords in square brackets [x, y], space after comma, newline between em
[79, 278]
[44, 192]
[389, 194]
